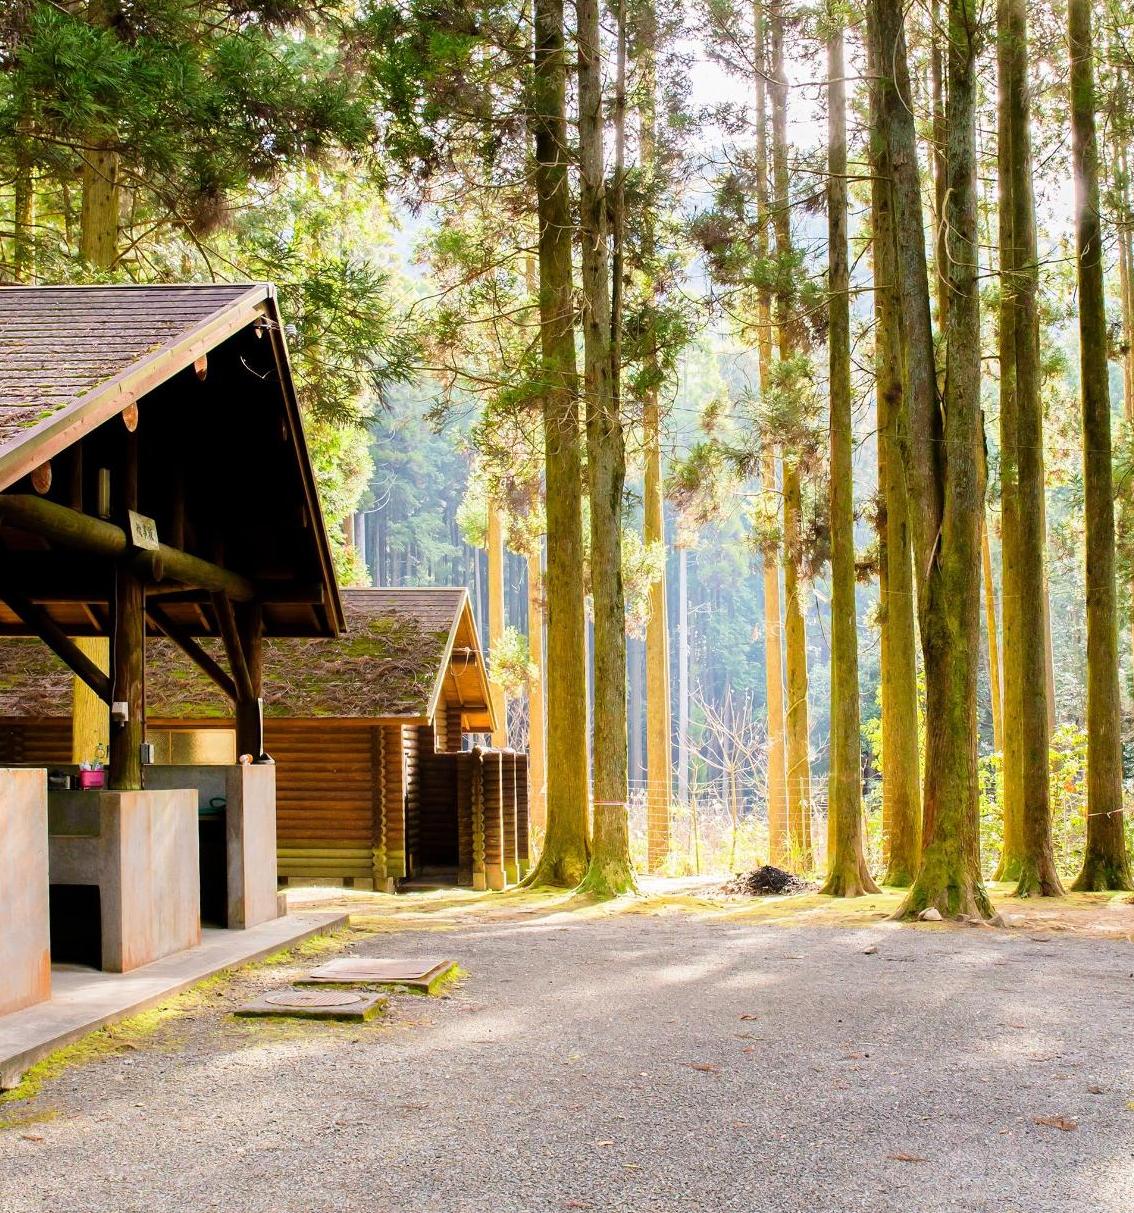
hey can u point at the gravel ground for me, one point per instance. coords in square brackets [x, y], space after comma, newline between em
[658, 1063]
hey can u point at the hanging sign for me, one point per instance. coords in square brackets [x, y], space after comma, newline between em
[143, 532]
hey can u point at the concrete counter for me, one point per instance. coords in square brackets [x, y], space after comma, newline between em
[140, 850]
[25, 939]
[249, 796]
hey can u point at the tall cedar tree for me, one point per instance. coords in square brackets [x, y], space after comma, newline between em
[611, 871]
[945, 462]
[566, 850]
[659, 794]
[901, 766]
[1012, 790]
[847, 873]
[1019, 290]
[796, 714]
[779, 848]
[1105, 864]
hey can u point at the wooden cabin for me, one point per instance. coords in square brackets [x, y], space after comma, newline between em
[367, 731]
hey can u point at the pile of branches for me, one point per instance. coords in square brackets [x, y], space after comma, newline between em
[766, 881]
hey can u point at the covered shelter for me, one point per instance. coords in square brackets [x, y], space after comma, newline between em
[155, 483]
[375, 786]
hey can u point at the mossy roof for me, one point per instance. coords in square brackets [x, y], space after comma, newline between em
[388, 665]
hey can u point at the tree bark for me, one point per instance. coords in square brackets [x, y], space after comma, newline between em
[995, 685]
[847, 873]
[779, 844]
[796, 713]
[1021, 285]
[1105, 862]
[566, 849]
[901, 763]
[945, 463]
[611, 871]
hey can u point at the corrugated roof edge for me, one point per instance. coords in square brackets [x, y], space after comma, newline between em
[37, 443]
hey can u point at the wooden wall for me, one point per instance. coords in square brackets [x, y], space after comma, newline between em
[355, 800]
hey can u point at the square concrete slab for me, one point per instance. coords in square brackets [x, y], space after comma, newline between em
[353, 1006]
[423, 976]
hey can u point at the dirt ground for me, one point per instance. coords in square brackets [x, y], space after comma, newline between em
[678, 1052]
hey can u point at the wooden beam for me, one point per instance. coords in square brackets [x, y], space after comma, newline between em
[37, 620]
[234, 650]
[68, 528]
[189, 646]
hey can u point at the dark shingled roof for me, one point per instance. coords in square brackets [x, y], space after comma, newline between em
[68, 349]
[389, 664]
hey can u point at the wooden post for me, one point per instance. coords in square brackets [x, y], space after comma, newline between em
[128, 654]
[250, 709]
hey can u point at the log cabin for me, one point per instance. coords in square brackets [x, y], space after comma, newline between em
[374, 785]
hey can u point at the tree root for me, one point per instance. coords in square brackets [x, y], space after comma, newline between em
[849, 880]
[1100, 875]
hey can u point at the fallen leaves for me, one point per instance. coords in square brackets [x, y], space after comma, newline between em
[1056, 1122]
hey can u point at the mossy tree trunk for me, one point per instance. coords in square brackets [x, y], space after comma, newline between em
[566, 848]
[1037, 873]
[611, 871]
[1105, 863]
[847, 873]
[1012, 789]
[901, 763]
[796, 711]
[945, 462]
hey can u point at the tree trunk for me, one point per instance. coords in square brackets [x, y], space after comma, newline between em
[659, 728]
[90, 718]
[901, 764]
[1037, 860]
[566, 849]
[537, 768]
[1105, 863]
[847, 873]
[796, 713]
[495, 546]
[611, 871]
[1011, 856]
[779, 846]
[945, 464]
[995, 686]
[683, 676]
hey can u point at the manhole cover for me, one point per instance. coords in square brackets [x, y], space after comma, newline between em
[424, 975]
[314, 998]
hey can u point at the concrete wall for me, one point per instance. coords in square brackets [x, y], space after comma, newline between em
[249, 793]
[25, 937]
[140, 849]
